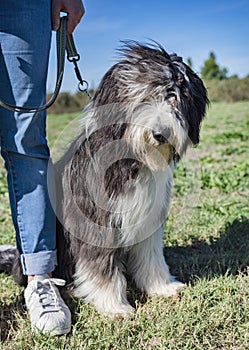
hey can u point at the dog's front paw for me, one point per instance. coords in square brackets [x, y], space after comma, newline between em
[119, 311]
[167, 290]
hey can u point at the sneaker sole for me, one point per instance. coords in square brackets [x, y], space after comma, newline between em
[55, 331]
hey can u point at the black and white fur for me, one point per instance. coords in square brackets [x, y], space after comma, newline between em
[114, 183]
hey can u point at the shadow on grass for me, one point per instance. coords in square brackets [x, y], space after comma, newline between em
[8, 316]
[227, 254]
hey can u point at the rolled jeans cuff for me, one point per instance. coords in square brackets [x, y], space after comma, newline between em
[39, 263]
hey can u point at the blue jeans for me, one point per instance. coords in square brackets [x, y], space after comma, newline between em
[25, 36]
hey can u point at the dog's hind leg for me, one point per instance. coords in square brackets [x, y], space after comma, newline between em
[148, 268]
[101, 282]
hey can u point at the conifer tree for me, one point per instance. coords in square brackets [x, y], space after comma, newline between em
[211, 69]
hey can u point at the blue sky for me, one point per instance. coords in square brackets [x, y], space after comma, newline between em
[190, 28]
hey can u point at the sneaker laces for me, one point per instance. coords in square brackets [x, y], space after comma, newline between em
[49, 297]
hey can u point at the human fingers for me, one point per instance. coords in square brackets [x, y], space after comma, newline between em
[74, 9]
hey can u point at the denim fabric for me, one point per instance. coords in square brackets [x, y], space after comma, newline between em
[25, 36]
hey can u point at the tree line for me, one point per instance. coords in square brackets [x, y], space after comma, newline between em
[221, 86]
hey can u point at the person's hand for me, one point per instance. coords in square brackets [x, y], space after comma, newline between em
[74, 9]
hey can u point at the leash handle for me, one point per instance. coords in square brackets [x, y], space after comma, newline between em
[61, 46]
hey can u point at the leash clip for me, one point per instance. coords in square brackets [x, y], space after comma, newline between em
[83, 86]
[74, 57]
[77, 71]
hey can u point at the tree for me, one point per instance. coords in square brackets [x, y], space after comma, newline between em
[189, 62]
[211, 70]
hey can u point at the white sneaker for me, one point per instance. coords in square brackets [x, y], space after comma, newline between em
[47, 310]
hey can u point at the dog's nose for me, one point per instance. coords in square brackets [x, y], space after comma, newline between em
[161, 136]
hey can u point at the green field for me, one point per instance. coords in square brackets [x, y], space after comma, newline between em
[207, 247]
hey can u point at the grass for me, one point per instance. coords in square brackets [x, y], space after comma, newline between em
[206, 245]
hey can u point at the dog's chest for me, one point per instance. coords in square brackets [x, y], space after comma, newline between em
[141, 209]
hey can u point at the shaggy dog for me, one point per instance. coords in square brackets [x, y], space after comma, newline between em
[114, 182]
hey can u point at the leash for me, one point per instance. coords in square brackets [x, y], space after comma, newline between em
[64, 43]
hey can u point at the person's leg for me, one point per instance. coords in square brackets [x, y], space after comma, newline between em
[25, 44]
[25, 35]
[32, 213]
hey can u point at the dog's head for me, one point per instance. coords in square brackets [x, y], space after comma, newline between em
[162, 101]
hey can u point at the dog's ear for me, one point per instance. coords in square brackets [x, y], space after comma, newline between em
[107, 91]
[197, 105]
[193, 99]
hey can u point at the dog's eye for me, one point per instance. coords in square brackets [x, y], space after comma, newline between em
[171, 98]
[170, 95]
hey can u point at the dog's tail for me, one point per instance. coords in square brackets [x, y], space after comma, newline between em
[10, 262]
[7, 257]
